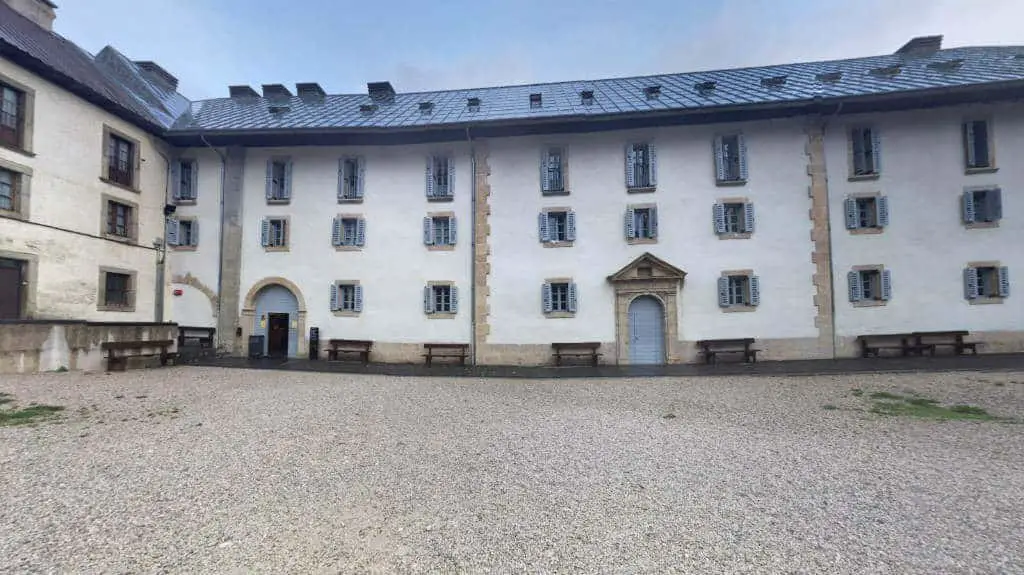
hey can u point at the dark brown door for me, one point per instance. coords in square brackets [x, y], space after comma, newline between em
[277, 335]
[10, 288]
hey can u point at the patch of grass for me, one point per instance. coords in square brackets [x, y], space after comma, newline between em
[1000, 384]
[929, 409]
[6, 398]
[829, 407]
[30, 414]
[885, 395]
[857, 392]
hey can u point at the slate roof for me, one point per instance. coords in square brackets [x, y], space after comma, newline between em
[737, 87]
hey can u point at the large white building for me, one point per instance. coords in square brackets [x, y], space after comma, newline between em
[802, 205]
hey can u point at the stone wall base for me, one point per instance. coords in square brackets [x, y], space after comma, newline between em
[38, 346]
[994, 342]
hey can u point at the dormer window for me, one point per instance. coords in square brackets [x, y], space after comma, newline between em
[535, 101]
[473, 104]
[885, 71]
[773, 82]
[705, 88]
[426, 108]
[587, 97]
[652, 92]
[829, 77]
[947, 65]
[368, 108]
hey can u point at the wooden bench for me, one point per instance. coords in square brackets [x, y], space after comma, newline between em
[446, 350]
[711, 348]
[586, 349]
[118, 361]
[904, 343]
[361, 347]
[953, 339]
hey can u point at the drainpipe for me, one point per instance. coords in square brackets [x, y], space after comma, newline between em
[161, 247]
[472, 248]
[220, 225]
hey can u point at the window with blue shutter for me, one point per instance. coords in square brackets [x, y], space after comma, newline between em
[730, 159]
[981, 206]
[641, 222]
[274, 232]
[184, 181]
[869, 286]
[183, 233]
[977, 145]
[723, 292]
[279, 180]
[440, 299]
[552, 171]
[351, 176]
[733, 218]
[559, 297]
[629, 229]
[971, 290]
[641, 166]
[440, 176]
[866, 152]
[546, 298]
[853, 285]
[556, 226]
[440, 230]
[986, 282]
[868, 212]
[347, 297]
[335, 288]
[739, 290]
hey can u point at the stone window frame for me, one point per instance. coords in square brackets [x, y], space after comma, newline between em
[22, 190]
[434, 247]
[442, 314]
[560, 314]
[287, 234]
[354, 247]
[867, 231]
[133, 227]
[986, 300]
[27, 130]
[564, 148]
[735, 200]
[976, 225]
[136, 161]
[641, 241]
[188, 248]
[562, 209]
[993, 166]
[734, 308]
[195, 181]
[852, 176]
[343, 312]
[132, 291]
[880, 269]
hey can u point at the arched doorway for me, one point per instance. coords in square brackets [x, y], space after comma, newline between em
[277, 319]
[646, 331]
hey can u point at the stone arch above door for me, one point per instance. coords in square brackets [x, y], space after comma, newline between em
[651, 276]
[248, 319]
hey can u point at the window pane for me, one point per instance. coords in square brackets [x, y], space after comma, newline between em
[554, 167]
[441, 231]
[6, 190]
[733, 217]
[980, 143]
[731, 157]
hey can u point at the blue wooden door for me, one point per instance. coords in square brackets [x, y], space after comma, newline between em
[277, 299]
[646, 331]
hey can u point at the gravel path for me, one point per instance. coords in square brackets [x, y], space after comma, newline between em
[211, 470]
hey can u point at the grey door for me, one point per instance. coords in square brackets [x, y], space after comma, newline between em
[646, 331]
[276, 299]
[10, 289]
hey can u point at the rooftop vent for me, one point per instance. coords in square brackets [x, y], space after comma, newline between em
[381, 91]
[773, 82]
[536, 101]
[368, 108]
[921, 46]
[154, 73]
[705, 88]
[243, 93]
[1018, 57]
[652, 92]
[310, 92]
[947, 65]
[885, 71]
[829, 77]
[276, 92]
[473, 104]
[587, 97]
[426, 108]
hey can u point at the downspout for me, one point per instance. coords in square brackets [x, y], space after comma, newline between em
[220, 224]
[472, 248]
[161, 246]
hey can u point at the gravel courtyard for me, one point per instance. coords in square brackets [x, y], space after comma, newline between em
[209, 470]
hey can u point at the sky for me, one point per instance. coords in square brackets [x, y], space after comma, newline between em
[445, 44]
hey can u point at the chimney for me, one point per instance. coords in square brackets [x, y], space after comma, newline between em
[921, 46]
[243, 93]
[42, 12]
[381, 92]
[276, 92]
[310, 92]
[154, 73]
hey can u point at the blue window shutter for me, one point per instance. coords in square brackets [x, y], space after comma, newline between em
[287, 180]
[195, 179]
[883, 211]
[630, 218]
[969, 144]
[336, 231]
[451, 177]
[176, 180]
[428, 300]
[545, 297]
[334, 297]
[970, 283]
[719, 159]
[748, 217]
[723, 292]
[718, 218]
[654, 223]
[171, 233]
[852, 219]
[652, 155]
[270, 179]
[542, 227]
[741, 146]
[195, 233]
[341, 178]
[452, 230]
[430, 177]
[630, 162]
[361, 232]
[361, 176]
[1004, 281]
[853, 281]
[545, 183]
[995, 204]
[886, 285]
[876, 150]
[265, 232]
[755, 291]
[428, 231]
[358, 304]
[570, 226]
[573, 300]
[455, 299]
[967, 211]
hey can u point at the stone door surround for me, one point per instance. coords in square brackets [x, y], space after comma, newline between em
[647, 275]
